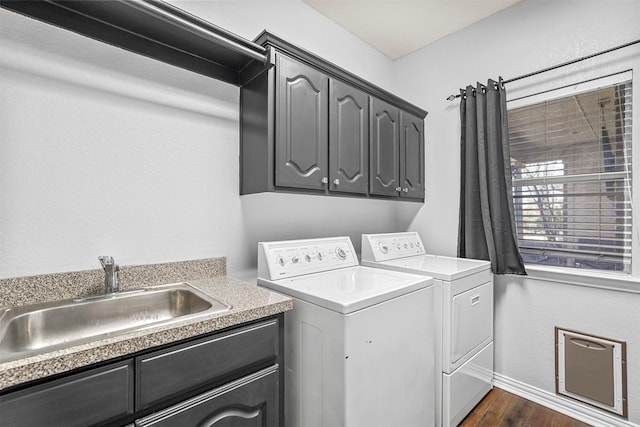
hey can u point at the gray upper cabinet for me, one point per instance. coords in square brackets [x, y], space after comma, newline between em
[385, 149]
[302, 126]
[309, 126]
[348, 138]
[397, 152]
[411, 156]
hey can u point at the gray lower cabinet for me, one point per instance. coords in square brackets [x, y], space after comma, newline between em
[164, 374]
[83, 399]
[248, 402]
[230, 378]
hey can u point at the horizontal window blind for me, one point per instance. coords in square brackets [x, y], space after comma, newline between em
[571, 171]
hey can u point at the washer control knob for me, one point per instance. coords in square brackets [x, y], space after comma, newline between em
[295, 259]
[307, 258]
[383, 248]
[405, 246]
[281, 261]
[319, 256]
[341, 254]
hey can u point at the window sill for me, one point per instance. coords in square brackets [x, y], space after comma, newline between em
[588, 278]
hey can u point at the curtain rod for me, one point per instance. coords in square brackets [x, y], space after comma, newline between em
[544, 70]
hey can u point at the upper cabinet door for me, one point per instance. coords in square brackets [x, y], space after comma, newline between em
[302, 123]
[411, 156]
[384, 149]
[348, 139]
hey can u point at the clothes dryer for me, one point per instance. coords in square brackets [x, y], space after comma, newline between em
[359, 342]
[463, 317]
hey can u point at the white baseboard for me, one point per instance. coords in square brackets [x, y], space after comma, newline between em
[560, 404]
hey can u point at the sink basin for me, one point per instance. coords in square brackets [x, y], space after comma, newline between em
[54, 325]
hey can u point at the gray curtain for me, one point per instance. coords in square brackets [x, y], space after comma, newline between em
[487, 226]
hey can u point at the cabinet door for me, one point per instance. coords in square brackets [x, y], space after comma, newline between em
[301, 126]
[411, 156]
[251, 401]
[348, 138]
[384, 149]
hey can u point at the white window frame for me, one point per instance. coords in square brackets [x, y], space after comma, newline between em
[596, 278]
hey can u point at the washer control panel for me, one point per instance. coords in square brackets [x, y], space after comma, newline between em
[383, 247]
[278, 260]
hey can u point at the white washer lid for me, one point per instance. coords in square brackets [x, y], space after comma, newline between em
[348, 289]
[439, 267]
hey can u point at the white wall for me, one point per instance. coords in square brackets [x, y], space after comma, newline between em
[526, 37]
[106, 152]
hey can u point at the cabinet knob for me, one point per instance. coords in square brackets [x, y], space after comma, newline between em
[398, 188]
[336, 181]
[325, 180]
[406, 190]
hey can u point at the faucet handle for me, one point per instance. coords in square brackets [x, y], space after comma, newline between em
[106, 261]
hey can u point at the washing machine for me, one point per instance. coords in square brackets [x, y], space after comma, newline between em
[463, 316]
[359, 342]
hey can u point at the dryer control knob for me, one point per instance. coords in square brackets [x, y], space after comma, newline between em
[383, 248]
[280, 261]
[341, 254]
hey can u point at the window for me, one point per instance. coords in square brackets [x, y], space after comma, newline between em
[571, 170]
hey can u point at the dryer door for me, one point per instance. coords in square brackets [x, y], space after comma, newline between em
[471, 322]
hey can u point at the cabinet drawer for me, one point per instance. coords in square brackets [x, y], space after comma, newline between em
[248, 402]
[169, 373]
[78, 400]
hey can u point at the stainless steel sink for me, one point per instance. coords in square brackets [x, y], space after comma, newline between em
[32, 329]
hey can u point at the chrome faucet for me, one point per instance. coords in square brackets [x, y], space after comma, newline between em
[111, 269]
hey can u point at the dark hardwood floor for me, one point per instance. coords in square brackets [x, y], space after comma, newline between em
[501, 408]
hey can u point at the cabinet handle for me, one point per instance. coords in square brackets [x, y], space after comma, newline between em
[406, 190]
[398, 188]
[325, 180]
[336, 181]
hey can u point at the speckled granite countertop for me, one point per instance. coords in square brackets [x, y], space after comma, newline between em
[248, 302]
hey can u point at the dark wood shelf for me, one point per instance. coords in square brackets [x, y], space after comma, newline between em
[154, 29]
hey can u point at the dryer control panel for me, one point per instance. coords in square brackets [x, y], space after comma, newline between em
[387, 246]
[279, 260]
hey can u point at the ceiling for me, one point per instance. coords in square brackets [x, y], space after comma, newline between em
[398, 27]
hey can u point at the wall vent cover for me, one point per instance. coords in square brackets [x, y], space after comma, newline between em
[592, 370]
